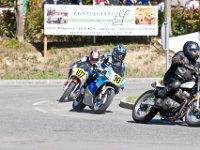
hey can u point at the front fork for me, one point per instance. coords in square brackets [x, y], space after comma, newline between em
[198, 94]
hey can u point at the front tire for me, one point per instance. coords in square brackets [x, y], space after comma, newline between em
[67, 92]
[77, 104]
[109, 95]
[192, 116]
[144, 110]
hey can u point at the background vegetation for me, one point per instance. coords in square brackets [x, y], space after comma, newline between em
[25, 60]
[183, 22]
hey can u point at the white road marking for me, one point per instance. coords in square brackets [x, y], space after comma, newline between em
[55, 108]
[39, 103]
[40, 110]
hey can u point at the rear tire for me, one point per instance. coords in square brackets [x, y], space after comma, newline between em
[190, 117]
[148, 110]
[67, 92]
[110, 95]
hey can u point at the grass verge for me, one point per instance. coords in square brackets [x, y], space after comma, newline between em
[132, 99]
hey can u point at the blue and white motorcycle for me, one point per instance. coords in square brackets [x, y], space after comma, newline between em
[99, 93]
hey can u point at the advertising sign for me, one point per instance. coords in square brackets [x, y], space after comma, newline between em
[100, 20]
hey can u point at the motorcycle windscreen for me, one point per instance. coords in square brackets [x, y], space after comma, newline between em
[93, 86]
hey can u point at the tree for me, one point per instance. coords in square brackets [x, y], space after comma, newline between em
[19, 6]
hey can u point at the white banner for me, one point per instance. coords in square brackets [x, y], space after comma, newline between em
[100, 20]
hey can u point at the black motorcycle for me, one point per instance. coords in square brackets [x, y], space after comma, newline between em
[183, 103]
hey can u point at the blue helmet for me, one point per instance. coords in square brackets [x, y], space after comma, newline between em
[119, 53]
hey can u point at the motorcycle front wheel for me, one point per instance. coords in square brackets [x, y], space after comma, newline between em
[105, 102]
[192, 116]
[67, 92]
[144, 110]
[77, 104]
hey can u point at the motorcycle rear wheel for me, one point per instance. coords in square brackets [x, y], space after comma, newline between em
[67, 92]
[191, 115]
[110, 93]
[143, 113]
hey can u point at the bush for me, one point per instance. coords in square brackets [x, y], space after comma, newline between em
[185, 22]
[34, 22]
[7, 24]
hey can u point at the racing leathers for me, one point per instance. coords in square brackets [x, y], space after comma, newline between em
[117, 66]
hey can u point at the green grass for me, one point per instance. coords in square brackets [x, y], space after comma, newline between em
[13, 43]
[132, 99]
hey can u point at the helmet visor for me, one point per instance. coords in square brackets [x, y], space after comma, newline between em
[195, 53]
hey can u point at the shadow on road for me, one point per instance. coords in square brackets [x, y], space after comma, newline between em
[162, 122]
[90, 111]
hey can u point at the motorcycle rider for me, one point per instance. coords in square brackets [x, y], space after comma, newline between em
[116, 60]
[180, 71]
[88, 64]
[88, 61]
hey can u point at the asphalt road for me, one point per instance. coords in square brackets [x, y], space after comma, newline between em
[32, 119]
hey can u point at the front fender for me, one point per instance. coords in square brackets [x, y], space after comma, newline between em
[104, 89]
[109, 86]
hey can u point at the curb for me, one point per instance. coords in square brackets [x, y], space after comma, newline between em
[127, 105]
[32, 82]
[56, 82]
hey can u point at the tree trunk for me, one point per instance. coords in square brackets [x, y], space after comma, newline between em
[19, 20]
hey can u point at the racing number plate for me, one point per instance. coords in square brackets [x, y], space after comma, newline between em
[80, 73]
[117, 79]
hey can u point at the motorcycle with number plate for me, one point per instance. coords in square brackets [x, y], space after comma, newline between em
[76, 80]
[183, 104]
[99, 93]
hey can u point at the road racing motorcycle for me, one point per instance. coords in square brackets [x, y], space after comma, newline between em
[182, 104]
[77, 78]
[99, 93]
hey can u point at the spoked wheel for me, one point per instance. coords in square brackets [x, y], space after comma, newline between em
[144, 110]
[77, 104]
[100, 106]
[192, 116]
[67, 92]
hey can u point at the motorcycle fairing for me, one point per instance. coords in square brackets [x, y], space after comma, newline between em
[94, 86]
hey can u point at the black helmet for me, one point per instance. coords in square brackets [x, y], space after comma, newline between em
[119, 53]
[191, 50]
[94, 56]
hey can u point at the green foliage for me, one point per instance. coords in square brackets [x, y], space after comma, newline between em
[34, 23]
[185, 22]
[7, 2]
[7, 24]
[13, 43]
[131, 99]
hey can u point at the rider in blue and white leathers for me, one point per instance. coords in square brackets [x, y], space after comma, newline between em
[116, 60]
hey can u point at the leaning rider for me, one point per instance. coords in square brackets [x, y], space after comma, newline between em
[178, 72]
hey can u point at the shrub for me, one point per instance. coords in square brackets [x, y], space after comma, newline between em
[7, 24]
[184, 22]
[34, 21]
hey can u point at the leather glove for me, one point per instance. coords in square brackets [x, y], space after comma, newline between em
[181, 62]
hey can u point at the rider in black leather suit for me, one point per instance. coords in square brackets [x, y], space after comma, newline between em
[178, 73]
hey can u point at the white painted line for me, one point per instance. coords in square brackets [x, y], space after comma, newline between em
[38, 103]
[40, 110]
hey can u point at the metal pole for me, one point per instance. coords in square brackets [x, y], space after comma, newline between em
[94, 37]
[167, 24]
